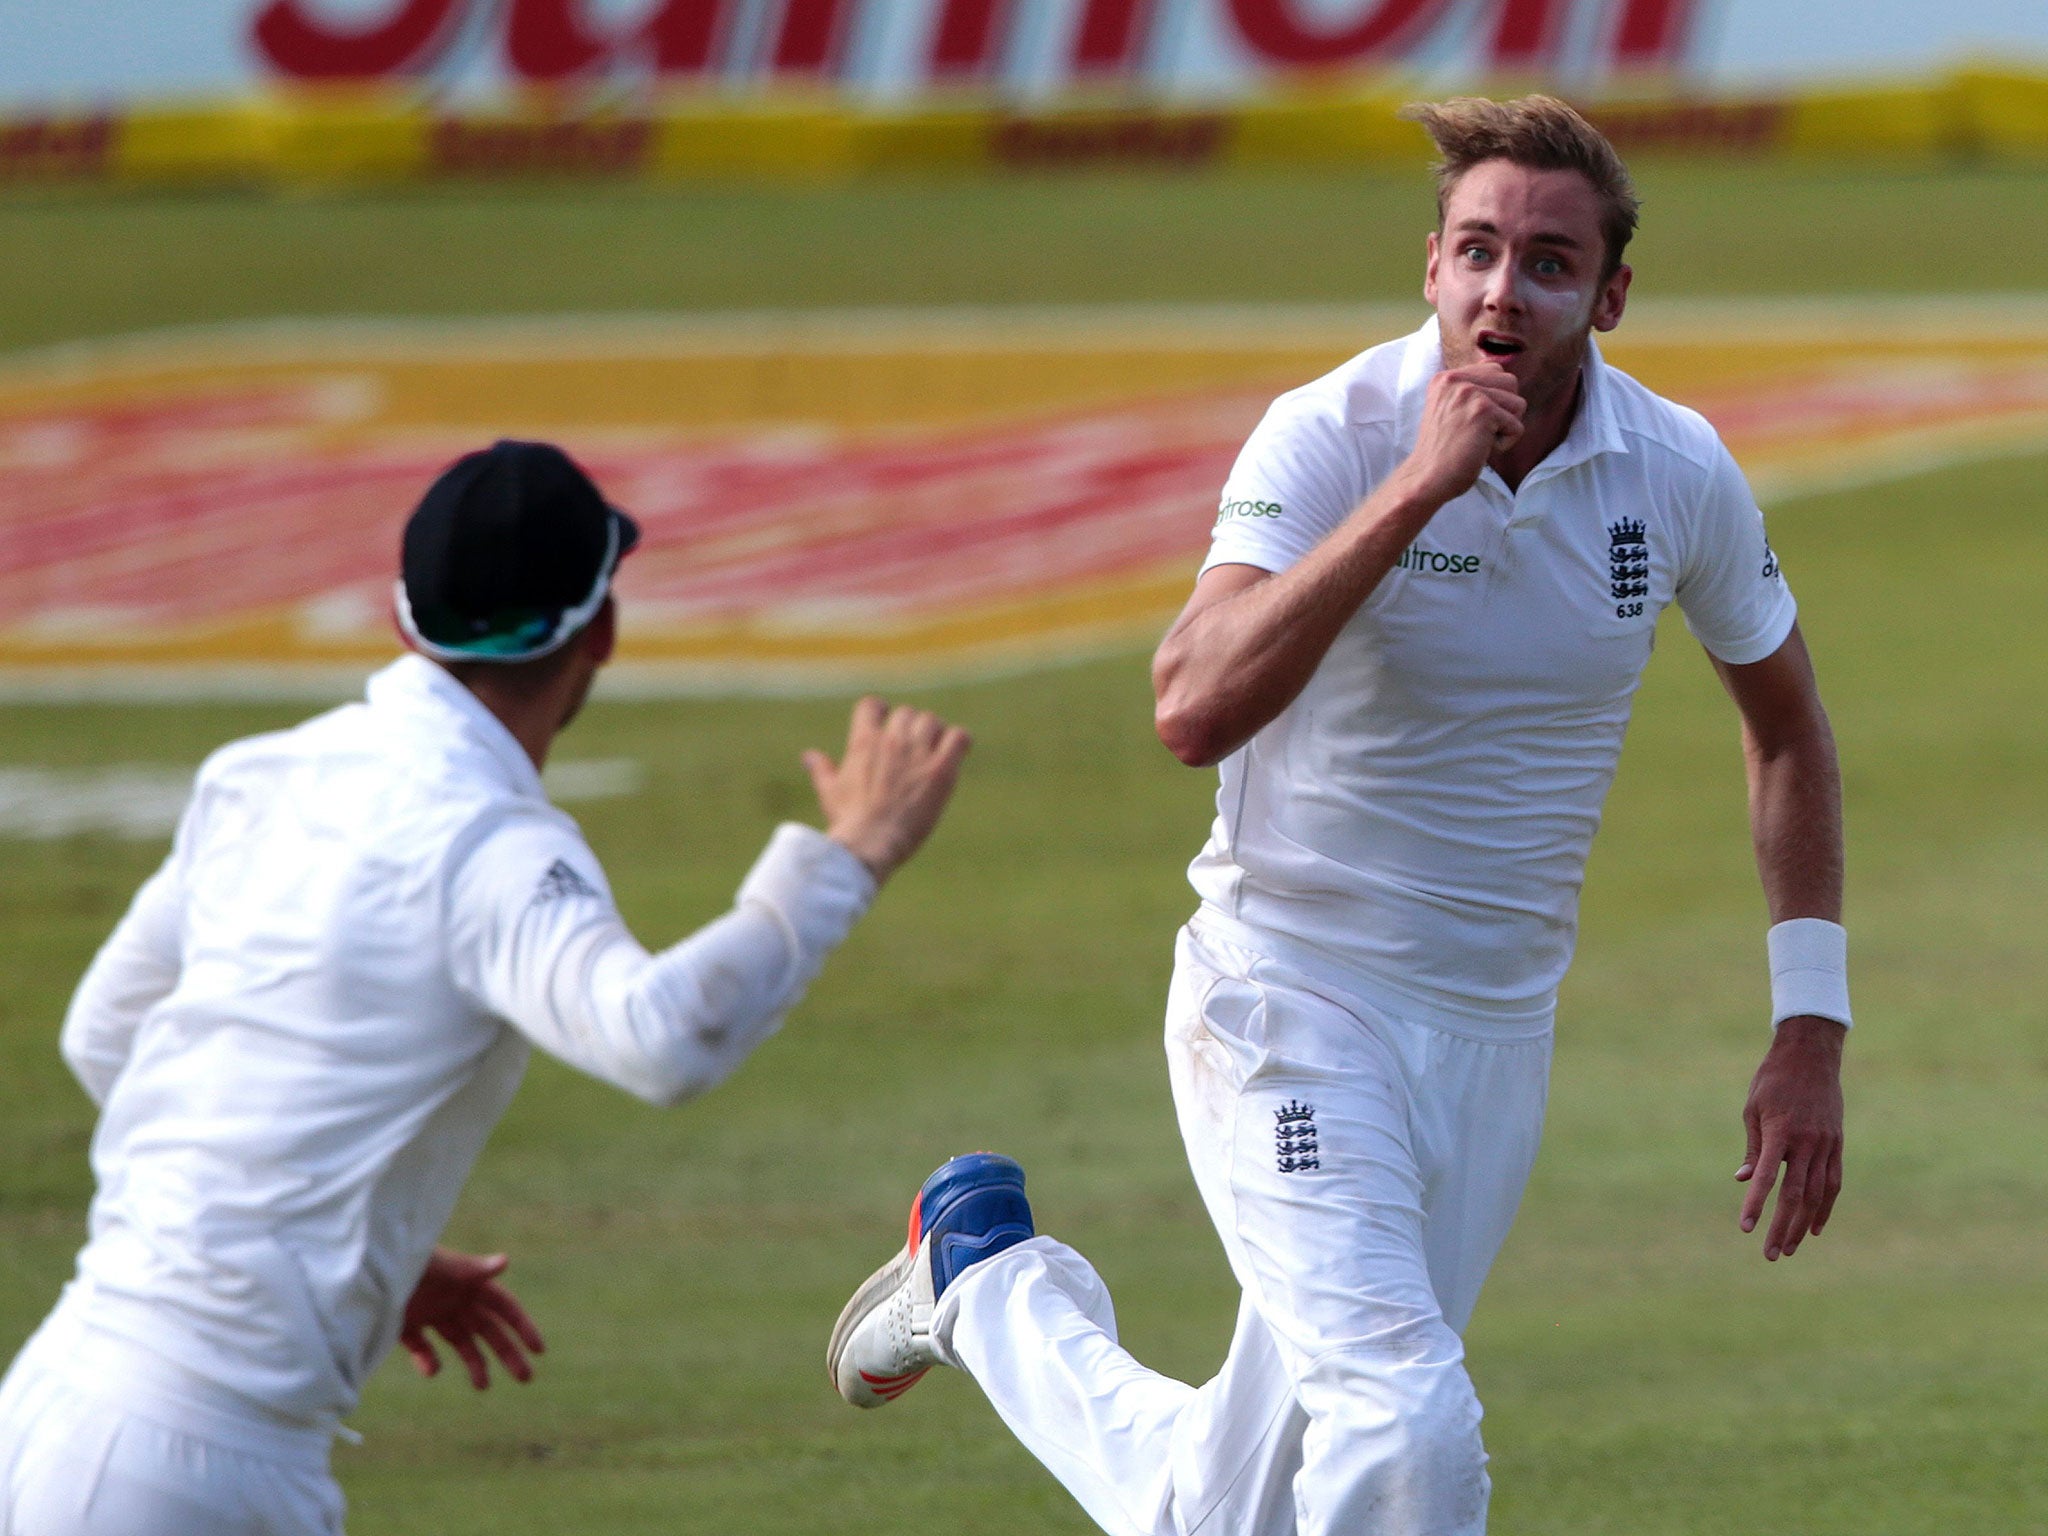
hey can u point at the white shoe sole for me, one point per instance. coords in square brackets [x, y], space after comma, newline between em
[866, 1390]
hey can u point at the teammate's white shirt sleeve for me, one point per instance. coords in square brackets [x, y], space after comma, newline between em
[535, 939]
[134, 970]
[1296, 478]
[1734, 598]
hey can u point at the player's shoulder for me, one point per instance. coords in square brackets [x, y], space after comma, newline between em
[1362, 392]
[1656, 424]
[272, 751]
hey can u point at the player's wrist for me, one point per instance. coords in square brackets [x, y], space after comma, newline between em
[872, 848]
[1809, 959]
[1410, 497]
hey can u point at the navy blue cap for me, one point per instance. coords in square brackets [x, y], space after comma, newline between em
[508, 555]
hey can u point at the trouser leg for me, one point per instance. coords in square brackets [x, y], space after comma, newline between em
[78, 1459]
[1343, 1406]
[1362, 1173]
[1143, 1454]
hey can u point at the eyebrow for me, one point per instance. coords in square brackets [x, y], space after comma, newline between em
[1488, 227]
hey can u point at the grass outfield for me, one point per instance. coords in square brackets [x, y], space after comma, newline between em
[1644, 1370]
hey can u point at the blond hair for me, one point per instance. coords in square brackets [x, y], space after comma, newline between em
[1539, 132]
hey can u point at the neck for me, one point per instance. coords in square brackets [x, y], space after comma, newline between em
[533, 716]
[1547, 424]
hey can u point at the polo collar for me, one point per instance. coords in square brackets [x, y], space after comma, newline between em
[415, 686]
[1594, 429]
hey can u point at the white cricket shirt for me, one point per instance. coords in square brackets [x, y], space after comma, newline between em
[311, 1017]
[1415, 825]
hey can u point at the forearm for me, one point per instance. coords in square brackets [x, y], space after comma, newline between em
[1229, 667]
[1795, 811]
[667, 1026]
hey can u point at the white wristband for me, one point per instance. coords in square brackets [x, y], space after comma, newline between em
[1809, 970]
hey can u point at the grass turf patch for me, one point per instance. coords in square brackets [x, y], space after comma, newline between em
[92, 264]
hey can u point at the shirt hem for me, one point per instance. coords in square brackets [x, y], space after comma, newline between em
[1471, 1018]
[111, 1365]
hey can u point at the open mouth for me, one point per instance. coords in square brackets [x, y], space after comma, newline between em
[1499, 346]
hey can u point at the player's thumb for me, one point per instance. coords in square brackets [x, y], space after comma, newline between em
[824, 775]
[1754, 1131]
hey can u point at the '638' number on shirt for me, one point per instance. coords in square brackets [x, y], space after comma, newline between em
[1628, 610]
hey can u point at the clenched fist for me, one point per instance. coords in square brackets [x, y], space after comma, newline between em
[1471, 413]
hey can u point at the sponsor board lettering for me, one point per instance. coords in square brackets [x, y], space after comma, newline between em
[48, 147]
[1141, 140]
[473, 146]
[572, 40]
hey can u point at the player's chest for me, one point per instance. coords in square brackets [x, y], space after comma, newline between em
[1555, 590]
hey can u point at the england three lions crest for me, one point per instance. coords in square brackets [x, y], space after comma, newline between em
[1294, 1138]
[1628, 566]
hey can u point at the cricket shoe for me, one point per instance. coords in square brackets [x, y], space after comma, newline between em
[882, 1344]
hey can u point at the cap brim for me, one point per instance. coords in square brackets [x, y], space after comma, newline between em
[629, 531]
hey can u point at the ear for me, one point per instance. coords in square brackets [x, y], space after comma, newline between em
[1612, 299]
[602, 637]
[1429, 270]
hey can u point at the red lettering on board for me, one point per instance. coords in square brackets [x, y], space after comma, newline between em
[1528, 33]
[1050, 143]
[1111, 37]
[1651, 33]
[299, 43]
[812, 38]
[472, 147]
[687, 35]
[964, 45]
[1742, 126]
[551, 40]
[1277, 30]
[51, 147]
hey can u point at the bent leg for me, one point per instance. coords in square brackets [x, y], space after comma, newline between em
[1143, 1454]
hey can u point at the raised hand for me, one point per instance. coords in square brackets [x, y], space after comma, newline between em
[460, 1299]
[884, 796]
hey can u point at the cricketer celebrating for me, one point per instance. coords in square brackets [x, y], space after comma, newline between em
[307, 1023]
[1413, 647]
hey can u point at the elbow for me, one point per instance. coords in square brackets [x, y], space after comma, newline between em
[1186, 726]
[694, 1065]
[667, 1086]
[1190, 735]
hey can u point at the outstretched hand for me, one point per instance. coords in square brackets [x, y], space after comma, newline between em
[1794, 1121]
[884, 796]
[459, 1298]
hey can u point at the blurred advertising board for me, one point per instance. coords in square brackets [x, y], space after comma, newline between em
[115, 53]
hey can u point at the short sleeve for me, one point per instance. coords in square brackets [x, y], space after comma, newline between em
[1297, 477]
[1734, 596]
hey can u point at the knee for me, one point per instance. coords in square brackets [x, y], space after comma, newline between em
[1402, 1398]
[1393, 1439]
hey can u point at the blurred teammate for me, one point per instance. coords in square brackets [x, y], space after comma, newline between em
[311, 1017]
[1413, 648]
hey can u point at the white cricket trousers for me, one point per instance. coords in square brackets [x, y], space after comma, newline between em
[99, 1438]
[1362, 1173]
